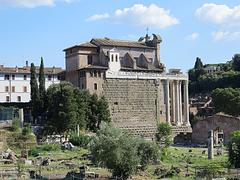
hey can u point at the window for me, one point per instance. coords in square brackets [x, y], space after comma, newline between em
[91, 74]
[89, 59]
[6, 89]
[95, 86]
[13, 77]
[95, 73]
[24, 77]
[19, 98]
[116, 57]
[13, 88]
[112, 57]
[6, 77]
[82, 86]
[24, 88]
[49, 77]
[99, 74]
[7, 99]
[115, 103]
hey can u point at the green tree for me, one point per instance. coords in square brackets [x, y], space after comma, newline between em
[198, 63]
[231, 99]
[234, 149]
[83, 107]
[163, 135]
[103, 111]
[62, 108]
[147, 153]
[115, 150]
[42, 90]
[98, 112]
[236, 62]
[34, 92]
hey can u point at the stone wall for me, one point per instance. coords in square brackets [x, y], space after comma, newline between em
[135, 105]
[223, 122]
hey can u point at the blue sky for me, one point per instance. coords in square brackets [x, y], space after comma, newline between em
[34, 28]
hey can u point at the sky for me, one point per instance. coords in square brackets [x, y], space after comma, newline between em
[31, 29]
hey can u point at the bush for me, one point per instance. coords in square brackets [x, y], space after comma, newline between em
[147, 153]
[115, 150]
[234, 149]
[15, 125]
[163, 135]
[35, 151]
[27, 130]
[81, 140]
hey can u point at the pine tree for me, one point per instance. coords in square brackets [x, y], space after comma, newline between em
[198, 63]
[42, 91]
[34, 92]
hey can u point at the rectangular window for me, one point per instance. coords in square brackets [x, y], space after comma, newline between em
[13, 88]
[13, 77]
[89, 59]
[49, 77]
[7, 99]
[24, 77]
[95, 73]
[24, 88]
[91, 74]
[6, 89]
[6, 77]
[99, 74]
[95, 86]
[19, 99]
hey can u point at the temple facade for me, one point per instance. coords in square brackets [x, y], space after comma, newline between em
[131, 76]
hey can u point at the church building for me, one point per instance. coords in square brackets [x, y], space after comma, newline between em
[130, 75]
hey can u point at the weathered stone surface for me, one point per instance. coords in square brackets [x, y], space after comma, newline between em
[135, 104]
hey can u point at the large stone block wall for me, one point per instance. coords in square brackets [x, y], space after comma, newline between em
[135, 105]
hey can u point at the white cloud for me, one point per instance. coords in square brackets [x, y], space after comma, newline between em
[192, 37]
[219, 14]
[141, 15]
[31, 3]
[97, 17]
[226, 35]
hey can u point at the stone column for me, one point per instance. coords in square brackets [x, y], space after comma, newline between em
[173, 115]
[168, 116]
[177, 103]
[180, 103]
[210, 145]
[186, 105]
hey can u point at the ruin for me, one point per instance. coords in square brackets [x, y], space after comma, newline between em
[135, 83]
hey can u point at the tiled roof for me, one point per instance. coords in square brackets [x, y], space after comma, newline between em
[26, 70]
[119, 43]
[84, 45]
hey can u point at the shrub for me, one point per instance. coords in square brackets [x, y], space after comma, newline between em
[115, 150]
[15, 125]
[81, 140]
[27, 130]
[234, 149]
[147, 153]
[163, 135]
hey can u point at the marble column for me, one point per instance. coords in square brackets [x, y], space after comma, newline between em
[186, 105]
[177, 103]
[173, 115]
[180, 103]
[168, 103]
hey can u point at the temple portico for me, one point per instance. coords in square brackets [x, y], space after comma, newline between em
[177, 107]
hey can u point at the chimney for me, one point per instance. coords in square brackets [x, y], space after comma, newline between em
[26, 63]
[53, 69]
[16, 69]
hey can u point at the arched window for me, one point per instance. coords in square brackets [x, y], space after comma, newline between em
[116, 58]
[112, 57]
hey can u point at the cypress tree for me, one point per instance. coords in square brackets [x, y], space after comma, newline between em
[42, 91]
[34, 92]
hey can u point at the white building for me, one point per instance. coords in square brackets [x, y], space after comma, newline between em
[15, 82]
